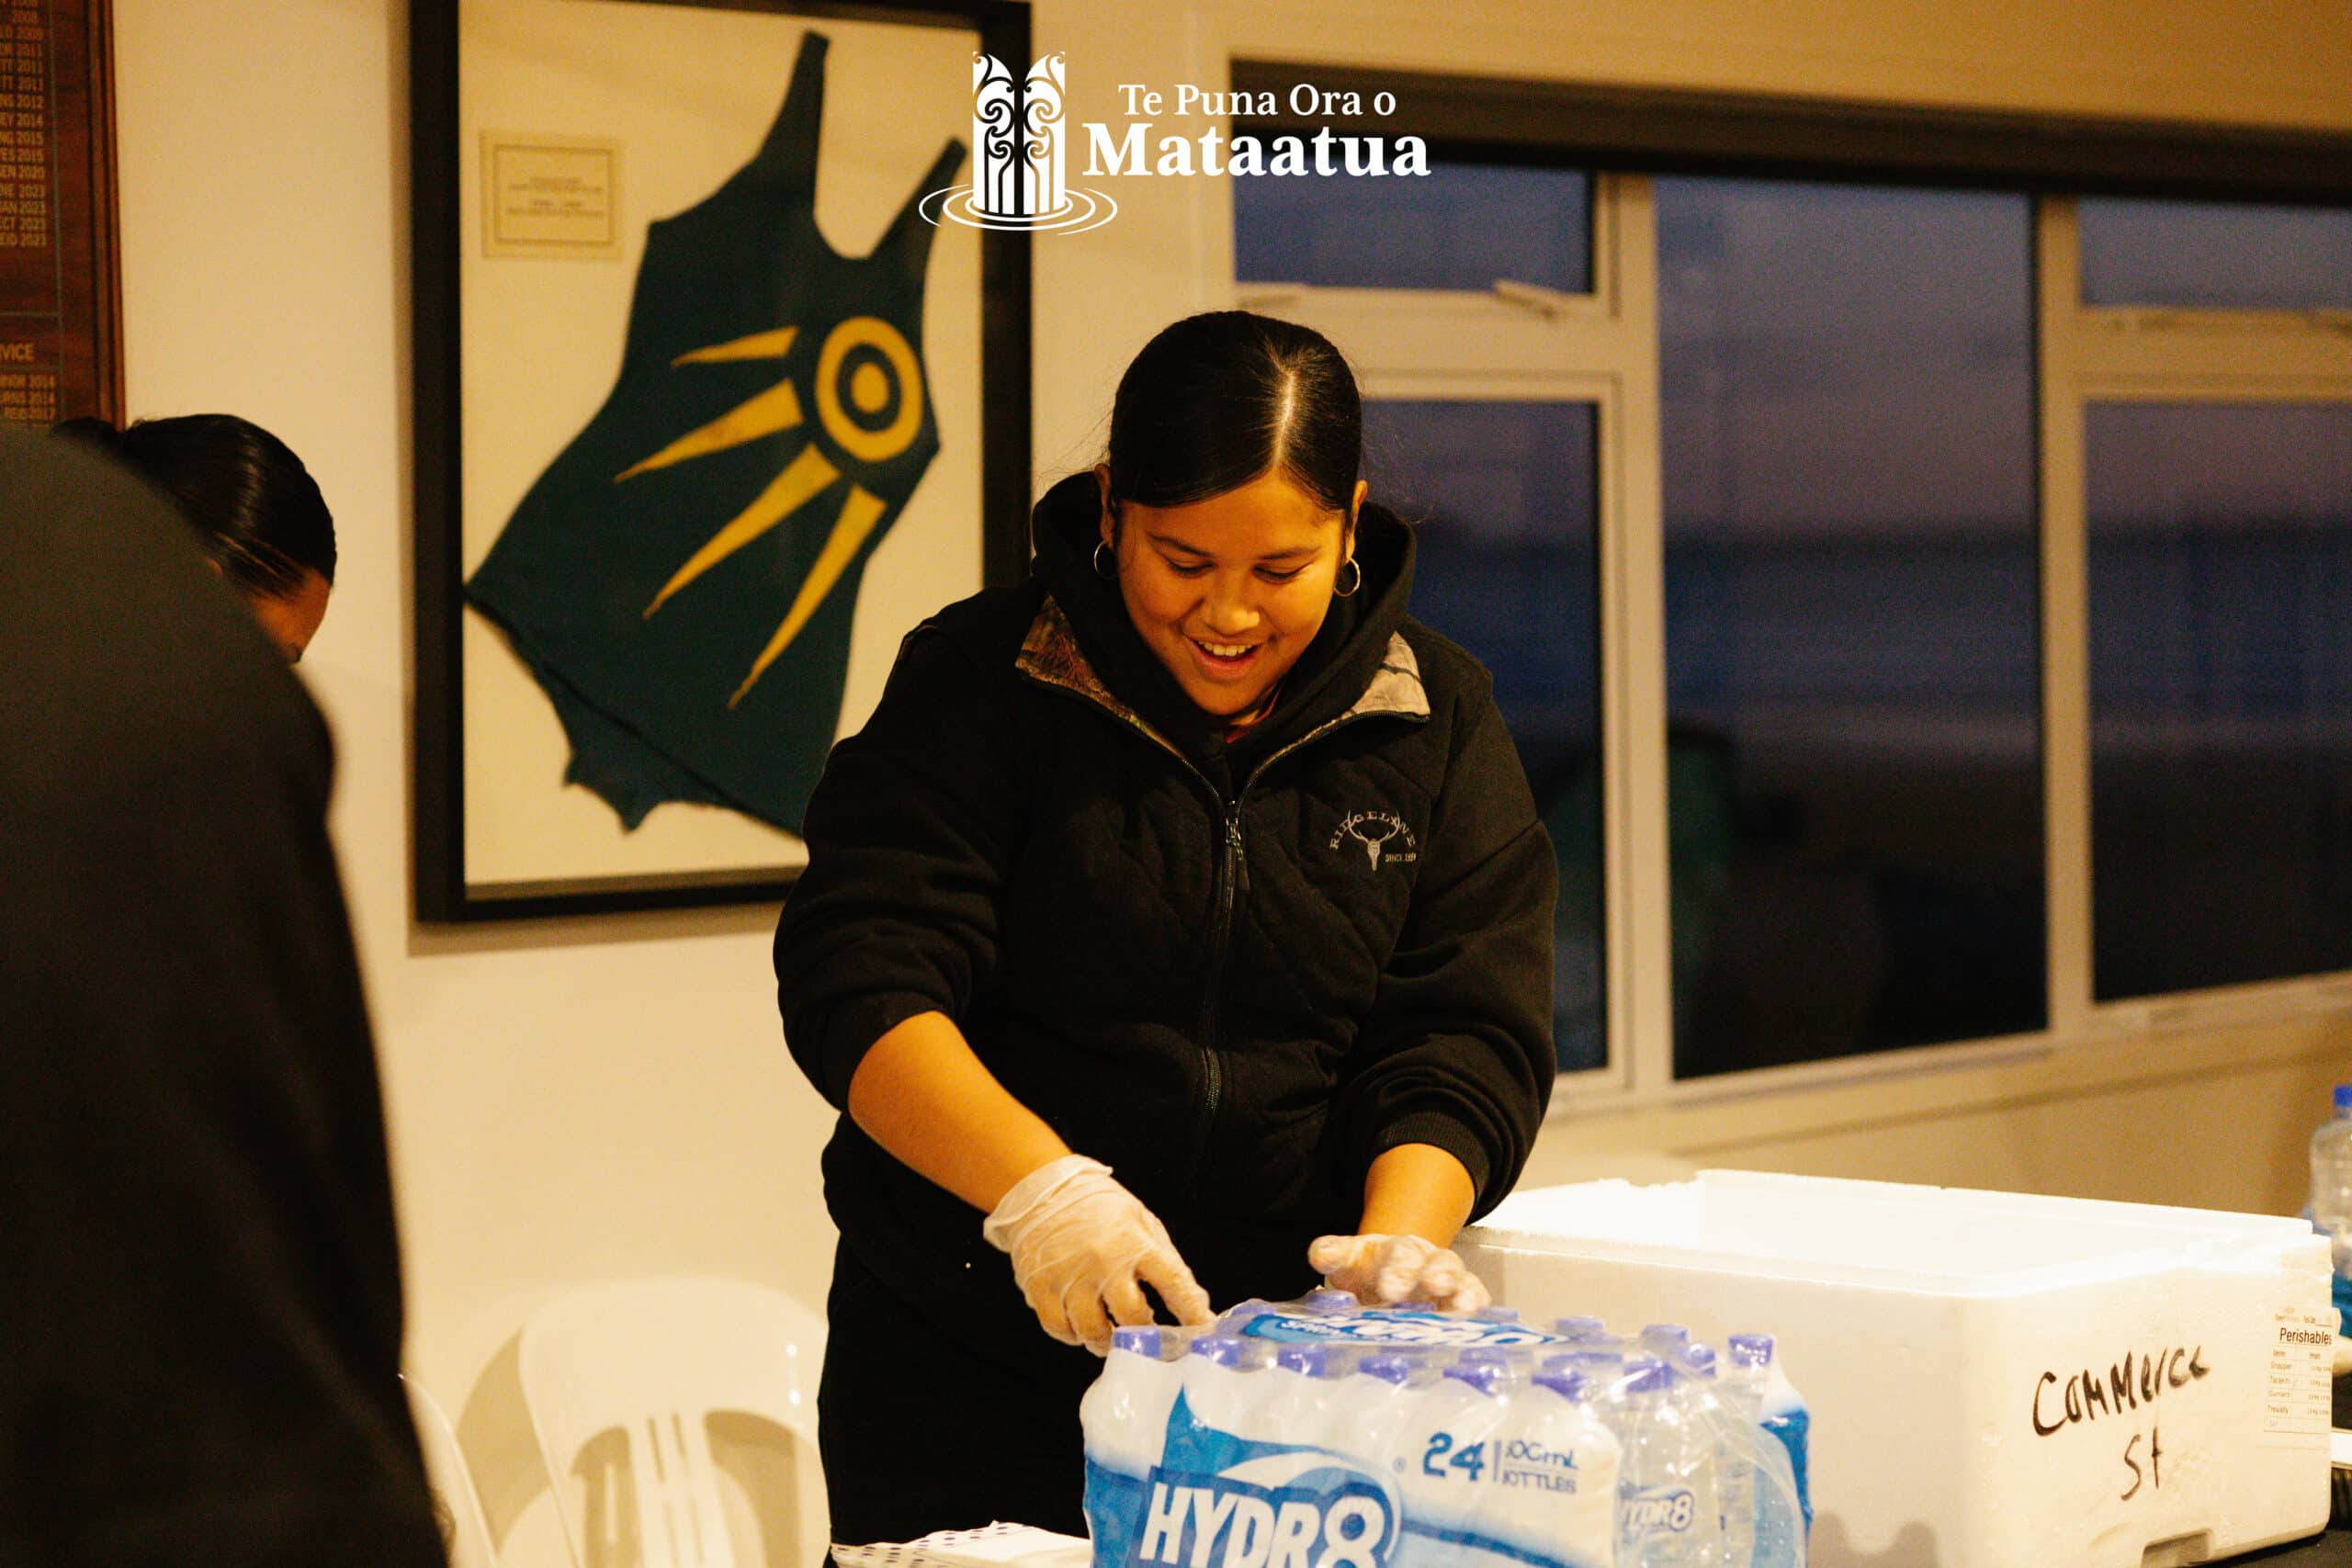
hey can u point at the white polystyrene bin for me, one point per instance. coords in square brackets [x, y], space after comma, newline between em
[1939, 1337]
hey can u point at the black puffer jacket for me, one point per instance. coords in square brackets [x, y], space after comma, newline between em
[1235, 976]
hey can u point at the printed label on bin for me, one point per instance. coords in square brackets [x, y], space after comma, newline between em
[1383, 1325]
[2296, 1393]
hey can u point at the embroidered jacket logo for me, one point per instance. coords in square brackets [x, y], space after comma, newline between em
[1385, 839]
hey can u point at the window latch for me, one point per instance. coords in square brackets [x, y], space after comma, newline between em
[1535, 296]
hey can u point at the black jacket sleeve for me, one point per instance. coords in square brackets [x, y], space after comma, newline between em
[910, 831]
[200, 1310]
[1458, 1050]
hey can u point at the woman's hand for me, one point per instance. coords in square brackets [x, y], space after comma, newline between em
[1082, 1249]
[1415, 1197]
[1384, 1271]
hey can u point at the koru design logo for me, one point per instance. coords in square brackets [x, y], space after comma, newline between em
[1385, 839]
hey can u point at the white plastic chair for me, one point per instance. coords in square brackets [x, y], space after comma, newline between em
[641, 1368]
[453, 1482]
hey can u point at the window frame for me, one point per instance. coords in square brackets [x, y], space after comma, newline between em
[1603, 348]
[2093, 354]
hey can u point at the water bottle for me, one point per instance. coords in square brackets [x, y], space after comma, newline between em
[1560, 1466]
[1367, 1407]
[1603, 1372]
[2332, 1193]
[1124, 1412]
[1125, 1418]
[1212, 1372]
[1297, 1408]
[1761, 1390]
[1666, 1514]
[1699, 1393]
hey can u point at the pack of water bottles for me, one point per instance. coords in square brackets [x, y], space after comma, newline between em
[1322, 1434]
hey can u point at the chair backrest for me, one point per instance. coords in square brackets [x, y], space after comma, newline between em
[643, 1366]
[453, 1482]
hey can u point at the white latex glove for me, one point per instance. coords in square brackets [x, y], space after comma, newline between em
[1082, 1249]
[1382, 1270]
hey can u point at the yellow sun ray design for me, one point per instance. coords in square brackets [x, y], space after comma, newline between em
[777, 408]
[861, 509]
[810, 472]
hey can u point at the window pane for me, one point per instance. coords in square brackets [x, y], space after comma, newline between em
[1853, 675]
[2215, 256]
[1460, 226]
[2221, 643]
[1504, 498]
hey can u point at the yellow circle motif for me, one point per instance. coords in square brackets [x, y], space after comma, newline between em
[869, 389]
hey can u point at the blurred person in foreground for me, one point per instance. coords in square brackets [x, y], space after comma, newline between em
[200, 1313]
[259, 512]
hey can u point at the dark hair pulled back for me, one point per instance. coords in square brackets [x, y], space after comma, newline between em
[258, 511]
[1217, 399]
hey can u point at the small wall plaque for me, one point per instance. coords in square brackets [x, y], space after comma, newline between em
[549, 195]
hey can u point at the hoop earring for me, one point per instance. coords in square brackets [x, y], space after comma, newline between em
[1112, 572]
[1350, 591]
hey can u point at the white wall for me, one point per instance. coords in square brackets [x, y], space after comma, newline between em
[576, 1099]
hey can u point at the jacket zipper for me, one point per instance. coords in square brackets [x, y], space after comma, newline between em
[1232, 884]
[1233, 879]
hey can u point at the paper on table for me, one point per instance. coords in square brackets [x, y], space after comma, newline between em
[993, 1545]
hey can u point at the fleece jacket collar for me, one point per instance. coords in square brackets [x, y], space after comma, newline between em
[1358, 664]
[1050, 655]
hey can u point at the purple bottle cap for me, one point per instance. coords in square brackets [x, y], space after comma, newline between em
[1481, 1375]
[1580, 1327]
[1387, 1369]
[1138, 1341]
[1306, 1360]
[1647, 1374]
[1569, 1386]
[1328, 1303]
[1225, 1349]
[1699, 1361]
[1751, 1350]
[1497, 1314]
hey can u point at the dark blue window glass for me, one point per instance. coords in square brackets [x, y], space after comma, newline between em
[2215, 256]
[1852, 622]
[1460, 226]
[2221, 643]
[1503, 498]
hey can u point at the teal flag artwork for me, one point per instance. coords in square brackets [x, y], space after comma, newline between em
[681, 579]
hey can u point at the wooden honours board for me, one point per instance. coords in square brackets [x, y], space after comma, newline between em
[60, 299]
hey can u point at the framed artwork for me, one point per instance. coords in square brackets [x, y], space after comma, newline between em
[61, 294]
[711, 409]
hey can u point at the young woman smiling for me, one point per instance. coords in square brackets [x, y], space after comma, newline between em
[1194, 856]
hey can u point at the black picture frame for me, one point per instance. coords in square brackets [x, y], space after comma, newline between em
[443, 891]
